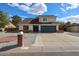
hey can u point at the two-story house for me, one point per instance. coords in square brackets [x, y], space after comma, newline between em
[43, 23]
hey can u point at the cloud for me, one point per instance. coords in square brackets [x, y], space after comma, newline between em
[28, 4]
[23, 7]
[63, 9]
[69, 6]
[73, 19]
[36, 9]
[13, 4]
[72, 6]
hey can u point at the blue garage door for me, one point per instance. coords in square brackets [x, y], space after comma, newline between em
[48, 28]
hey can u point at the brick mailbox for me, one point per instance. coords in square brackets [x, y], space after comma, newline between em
[20, 39]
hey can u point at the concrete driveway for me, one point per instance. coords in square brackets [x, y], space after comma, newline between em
[48, 42]
[53, 42]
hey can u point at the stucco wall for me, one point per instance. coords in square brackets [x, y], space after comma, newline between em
[50, 18]
[31, 27]
[73, 29]
[20, 27]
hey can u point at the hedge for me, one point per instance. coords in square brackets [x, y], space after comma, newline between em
[12, 29]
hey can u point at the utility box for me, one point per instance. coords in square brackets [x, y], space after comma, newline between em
[20, 39]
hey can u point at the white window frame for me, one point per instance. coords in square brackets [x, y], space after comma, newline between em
[46, 20]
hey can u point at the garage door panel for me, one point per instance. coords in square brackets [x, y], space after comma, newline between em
[48, 28]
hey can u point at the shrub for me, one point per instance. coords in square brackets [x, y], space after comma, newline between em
[11, 29]
[1, 29]
[27, 31]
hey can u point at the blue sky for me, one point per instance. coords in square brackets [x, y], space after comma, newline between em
[64, 11]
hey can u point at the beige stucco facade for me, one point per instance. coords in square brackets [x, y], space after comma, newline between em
[73, 28]
[50, 18]
[50, 22]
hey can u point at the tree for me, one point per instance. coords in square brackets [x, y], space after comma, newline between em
[74, 23]
[68, 23]
[16, 19]
[3, 19]
[61, 26]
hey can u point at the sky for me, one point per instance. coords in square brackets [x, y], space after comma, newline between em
[64, 11]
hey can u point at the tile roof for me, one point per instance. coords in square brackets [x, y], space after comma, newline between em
[30, 21]
[47, 15]
[36, 20]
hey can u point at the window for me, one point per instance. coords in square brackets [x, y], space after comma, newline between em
[25, 27]
[44, 19]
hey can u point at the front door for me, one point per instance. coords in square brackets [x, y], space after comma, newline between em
[35, 28]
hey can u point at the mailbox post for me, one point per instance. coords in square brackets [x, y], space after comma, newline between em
[20, 38]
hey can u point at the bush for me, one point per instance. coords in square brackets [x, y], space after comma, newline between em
[12, 29]
[15, 30]
[60, 31]
[27, 31]
[1, 29]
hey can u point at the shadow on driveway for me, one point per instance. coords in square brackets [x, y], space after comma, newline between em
[8, 47]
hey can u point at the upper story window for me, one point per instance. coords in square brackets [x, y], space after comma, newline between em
[45, 19]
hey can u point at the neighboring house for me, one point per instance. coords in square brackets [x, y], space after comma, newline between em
[73, 28]
[43, 23]
[10, 25]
